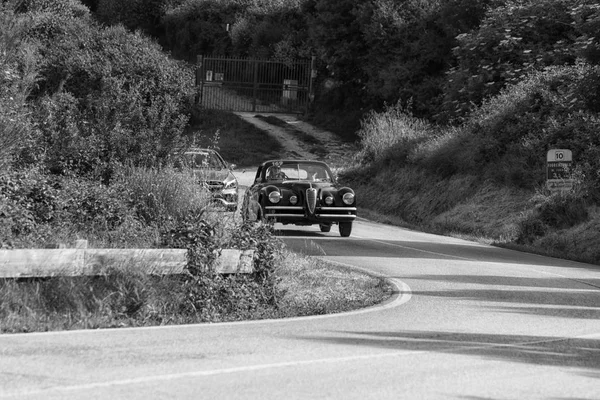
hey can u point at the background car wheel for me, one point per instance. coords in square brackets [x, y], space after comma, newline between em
[345, 228]
[325, 227]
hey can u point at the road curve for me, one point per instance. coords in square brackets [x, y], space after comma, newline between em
[469, 321]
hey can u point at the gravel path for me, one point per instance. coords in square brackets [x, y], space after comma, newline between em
[302, 140]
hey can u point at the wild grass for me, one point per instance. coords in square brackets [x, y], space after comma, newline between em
[165, 194]
[381, 132]
[310, 286]
[125, 297]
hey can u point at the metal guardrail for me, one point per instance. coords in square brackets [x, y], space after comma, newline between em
[34, 263]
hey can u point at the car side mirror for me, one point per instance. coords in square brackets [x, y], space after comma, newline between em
[232, 166]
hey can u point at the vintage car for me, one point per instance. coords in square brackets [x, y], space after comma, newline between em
[301, 193]
[213, 173]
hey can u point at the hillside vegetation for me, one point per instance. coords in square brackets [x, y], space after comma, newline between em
[534, 88]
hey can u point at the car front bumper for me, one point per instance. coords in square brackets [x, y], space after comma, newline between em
[227, 198]
[300, 216]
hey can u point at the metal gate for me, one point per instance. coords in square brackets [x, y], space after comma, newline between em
[254, 85]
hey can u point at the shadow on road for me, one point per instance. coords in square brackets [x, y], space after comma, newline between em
[337, 246]
[539, 350]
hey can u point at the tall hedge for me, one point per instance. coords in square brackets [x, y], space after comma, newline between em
[105, 96]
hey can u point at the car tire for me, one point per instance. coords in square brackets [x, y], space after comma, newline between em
[345, 228]
[325, 227]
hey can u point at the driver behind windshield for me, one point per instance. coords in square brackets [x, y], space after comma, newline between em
[275, 173]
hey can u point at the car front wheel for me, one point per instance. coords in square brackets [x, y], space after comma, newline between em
[345, 228]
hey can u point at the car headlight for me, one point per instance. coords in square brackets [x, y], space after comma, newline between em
[274, 197]
[348, 198]
[293, 199]
[231, 185]
[329, 200]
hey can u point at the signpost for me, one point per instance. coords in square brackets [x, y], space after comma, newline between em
[558, 170]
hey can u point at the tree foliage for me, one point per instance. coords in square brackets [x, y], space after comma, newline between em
[514, 39]
[18, 70]
[103, 96]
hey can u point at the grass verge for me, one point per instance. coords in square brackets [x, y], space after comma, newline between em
[123, 297]
[310, 286]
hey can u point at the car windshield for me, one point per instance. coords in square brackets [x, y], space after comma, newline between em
[297, 171]
[204, 159]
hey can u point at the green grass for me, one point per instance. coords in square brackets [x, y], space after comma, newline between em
[485, 179]
[238, 141]
[312, 286]
[125, 297]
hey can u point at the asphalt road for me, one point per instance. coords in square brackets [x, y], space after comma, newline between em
[468, 322]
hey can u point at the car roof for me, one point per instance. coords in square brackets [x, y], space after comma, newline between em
[199, 150]
[292, 161]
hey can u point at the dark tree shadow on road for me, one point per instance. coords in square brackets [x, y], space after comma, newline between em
[553, 297]
[538, 350]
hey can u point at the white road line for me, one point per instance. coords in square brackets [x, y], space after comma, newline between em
[415, 249]
[261, 367]
[522, 266]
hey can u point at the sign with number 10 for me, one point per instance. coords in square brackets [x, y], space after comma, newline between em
[558, 171]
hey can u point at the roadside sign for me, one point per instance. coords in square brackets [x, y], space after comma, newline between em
[558, 170]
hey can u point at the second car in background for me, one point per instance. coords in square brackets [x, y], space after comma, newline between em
[214, 173]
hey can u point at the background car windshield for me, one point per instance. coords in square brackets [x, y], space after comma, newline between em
[310, 172]
[204, 160]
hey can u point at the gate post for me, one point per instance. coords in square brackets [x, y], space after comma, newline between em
[311, 81]
[199, 79]
[255, 86]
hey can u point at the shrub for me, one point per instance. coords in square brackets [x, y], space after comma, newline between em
[513, 40]
[134, 14]
[197, 235]
[93, 206]
[259, 237]
[30, 193]
[393, 130]
[165, 194]
[18, 66]
[105, 97]
[67, 8]
[555, 211]
[197, 27]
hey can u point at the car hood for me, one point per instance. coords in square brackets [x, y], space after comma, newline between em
[214, 174]
[303, 185]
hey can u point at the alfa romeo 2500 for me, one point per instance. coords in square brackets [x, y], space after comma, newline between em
[301, 193]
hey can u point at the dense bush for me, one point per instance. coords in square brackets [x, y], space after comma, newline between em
[18, 66]
[163, 195]
[144, 15]
[552, 212]
[199, 27]
[107, 97]
[395, 132]
[514, 39]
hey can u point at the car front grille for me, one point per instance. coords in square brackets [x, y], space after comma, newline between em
[214, 186]
[311, 199]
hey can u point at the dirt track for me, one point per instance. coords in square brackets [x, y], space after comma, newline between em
[293, 133]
